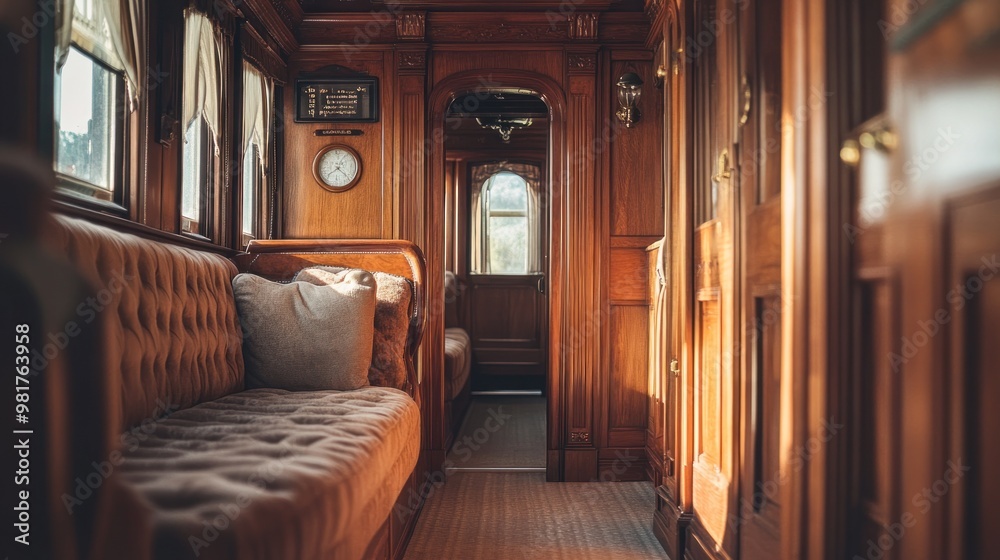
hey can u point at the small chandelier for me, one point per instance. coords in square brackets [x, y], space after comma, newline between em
[629, 90]
[504, 125]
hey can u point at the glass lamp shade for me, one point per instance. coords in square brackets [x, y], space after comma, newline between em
[629, 90]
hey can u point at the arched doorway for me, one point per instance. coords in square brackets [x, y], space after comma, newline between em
[434, 246]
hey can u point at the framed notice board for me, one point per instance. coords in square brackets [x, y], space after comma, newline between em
[337, 99]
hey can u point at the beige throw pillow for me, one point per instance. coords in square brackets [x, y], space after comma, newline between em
[392, 324]
[306, 337]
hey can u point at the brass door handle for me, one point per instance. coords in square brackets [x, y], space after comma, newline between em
[675, 368]
[723, 170]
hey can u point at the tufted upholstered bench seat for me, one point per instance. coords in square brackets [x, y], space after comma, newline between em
[208, 469]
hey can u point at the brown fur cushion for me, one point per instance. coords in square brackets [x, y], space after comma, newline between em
[392, 322]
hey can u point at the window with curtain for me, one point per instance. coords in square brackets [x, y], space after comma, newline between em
[506, 226]
[258, 103]
[201, 121]
[97, 58]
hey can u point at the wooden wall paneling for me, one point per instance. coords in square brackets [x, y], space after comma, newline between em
[673, 504]
[585, 312]
[365, 211]
[941, 235]
[759, 340]
[715, 484]
[658, 382]
[409, 143]
[636, 152]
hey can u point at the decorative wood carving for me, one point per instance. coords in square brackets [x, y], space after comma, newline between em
[413, 60]
[583, 26]
[475, 28]
[582, 62]
[579, 437]
[410, 26]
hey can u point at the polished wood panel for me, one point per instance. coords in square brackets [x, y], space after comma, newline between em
[509, 329]
[629, 354]
[636, 165]
[365, 211]
[628, 276]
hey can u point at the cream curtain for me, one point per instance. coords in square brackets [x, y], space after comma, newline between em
[202, 70]
[258, 103]
[258, 99]
[126, 23]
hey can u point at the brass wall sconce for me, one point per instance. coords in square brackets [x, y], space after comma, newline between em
[629, 91]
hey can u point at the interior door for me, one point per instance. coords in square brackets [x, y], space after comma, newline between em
[761, 301]
[714, 470]
[926, 247]
[508, 307]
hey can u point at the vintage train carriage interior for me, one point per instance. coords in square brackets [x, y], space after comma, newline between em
[452, 279]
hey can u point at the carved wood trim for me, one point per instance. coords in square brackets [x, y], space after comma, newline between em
[412, 60]
[583, 26]
[411, 26]
[582, 63]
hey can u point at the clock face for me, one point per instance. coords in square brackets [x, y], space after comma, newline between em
[338, 167]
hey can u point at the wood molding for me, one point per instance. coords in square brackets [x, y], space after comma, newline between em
[583, 26]
[512, 5]
[582, 63]
[280, 19]
[496, 27]
[411, 26]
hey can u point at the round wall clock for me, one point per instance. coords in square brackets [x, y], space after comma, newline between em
[337, 167]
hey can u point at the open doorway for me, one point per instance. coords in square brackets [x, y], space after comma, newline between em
[496, 257]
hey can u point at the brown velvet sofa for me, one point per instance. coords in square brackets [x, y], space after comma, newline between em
[190, 464]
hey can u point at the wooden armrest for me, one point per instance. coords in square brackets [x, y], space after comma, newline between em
[280, 260]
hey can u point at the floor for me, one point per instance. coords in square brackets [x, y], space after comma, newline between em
[516, 515]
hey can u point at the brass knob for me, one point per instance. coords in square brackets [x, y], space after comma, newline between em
[881, 139]
[850, 152]
[661, 72]
[675, 368]
[724, 172]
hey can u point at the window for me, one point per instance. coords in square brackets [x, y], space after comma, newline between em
[89, 131]
[505, 224]
[258, 99]
[200, 177]
[90, 105]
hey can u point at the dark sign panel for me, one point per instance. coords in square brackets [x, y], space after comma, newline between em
[336, 100]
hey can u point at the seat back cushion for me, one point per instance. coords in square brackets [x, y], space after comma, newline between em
[304, 336]
[392, 323]
[167, 314]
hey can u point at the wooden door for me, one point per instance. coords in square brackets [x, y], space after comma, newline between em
[761, 300]
[714, 470]
[508, 307]
[925, 243]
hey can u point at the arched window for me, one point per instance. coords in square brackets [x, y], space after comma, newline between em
[504, 215]
[506, 221]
